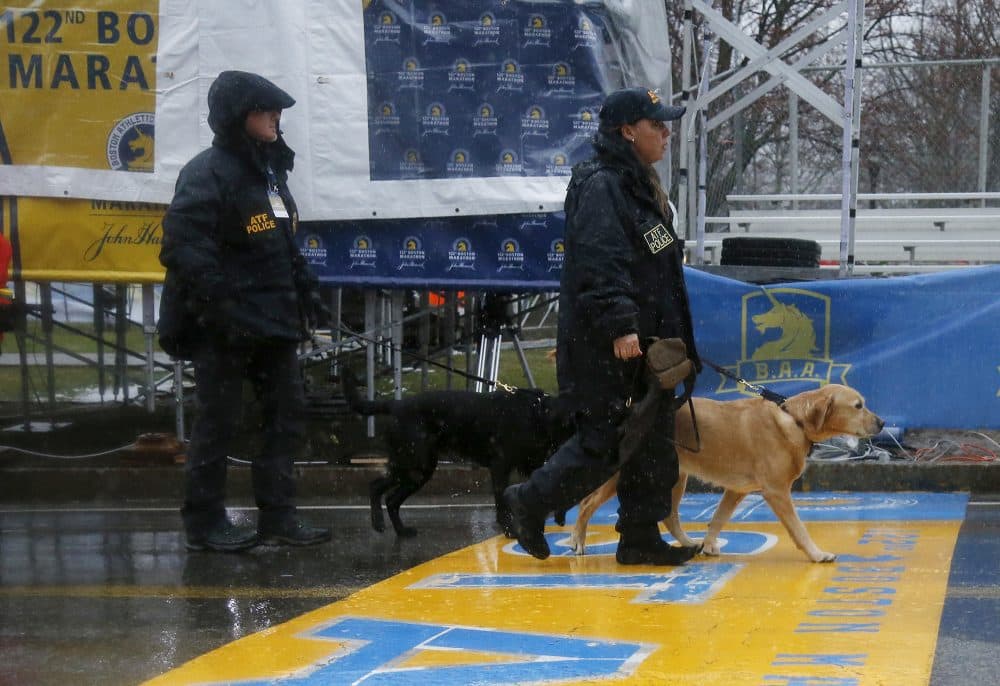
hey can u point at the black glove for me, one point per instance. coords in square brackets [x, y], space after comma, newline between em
[318, 315]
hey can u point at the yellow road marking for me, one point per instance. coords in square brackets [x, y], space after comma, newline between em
[869, 618]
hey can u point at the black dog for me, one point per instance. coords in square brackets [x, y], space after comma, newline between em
[501, 430]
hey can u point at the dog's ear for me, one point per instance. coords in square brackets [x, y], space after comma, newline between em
[811, 410]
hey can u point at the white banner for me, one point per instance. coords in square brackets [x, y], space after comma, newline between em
[315, 50]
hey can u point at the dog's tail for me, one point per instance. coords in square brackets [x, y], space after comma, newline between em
[359, 404]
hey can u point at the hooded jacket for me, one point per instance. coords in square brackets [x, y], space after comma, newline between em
[623, 273]
[234, 271]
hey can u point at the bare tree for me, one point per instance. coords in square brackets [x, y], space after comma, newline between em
[918, 124]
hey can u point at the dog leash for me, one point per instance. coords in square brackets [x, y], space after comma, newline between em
[319, 350]
[765, 393]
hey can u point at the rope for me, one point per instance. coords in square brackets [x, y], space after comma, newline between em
[34, 453]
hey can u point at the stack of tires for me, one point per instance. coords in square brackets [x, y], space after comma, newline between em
[770, 252]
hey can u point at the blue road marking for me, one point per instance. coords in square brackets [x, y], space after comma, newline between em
[815, 507]
[691, 584]
[730, 542]
[370, 651]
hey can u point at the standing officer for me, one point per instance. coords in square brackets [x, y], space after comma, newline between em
[237, 299]
[622, 283]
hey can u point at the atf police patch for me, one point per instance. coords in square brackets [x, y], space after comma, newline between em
[658, 238]
[131, 143]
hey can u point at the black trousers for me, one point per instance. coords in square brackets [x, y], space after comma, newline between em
[220, 371]
[590, 457]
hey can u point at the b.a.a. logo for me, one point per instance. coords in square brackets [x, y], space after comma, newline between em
[130, 143]
[785, 335]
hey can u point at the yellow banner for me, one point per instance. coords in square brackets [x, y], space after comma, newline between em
[77, 87]
[89, 240]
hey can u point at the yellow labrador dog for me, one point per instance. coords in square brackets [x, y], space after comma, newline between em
[751, 445]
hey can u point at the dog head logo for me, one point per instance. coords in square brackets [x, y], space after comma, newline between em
[411, 166]
[510, 77]
[558, 164]
[510, 255]
[313, 250]
[362, 252]
[556, 255]
[385, 27]
[435, 119]
[461, 255]
[797, 334]
[509, 163]
[560, 78]
[785, 338]
[585, 122]
[412, 254]
[130, 144]
[459, 163]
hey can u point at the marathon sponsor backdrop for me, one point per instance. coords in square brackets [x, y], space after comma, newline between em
[405, 111]
[484, 89]
[403, 108]
[508, 252]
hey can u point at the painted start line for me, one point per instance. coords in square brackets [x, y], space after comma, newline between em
[760, 613]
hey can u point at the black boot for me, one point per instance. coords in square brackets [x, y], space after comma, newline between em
[529, 529]
[291, 530]
[641, 544]
[224, 536]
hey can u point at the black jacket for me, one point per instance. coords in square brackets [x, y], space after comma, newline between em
[233, 269]
[623, 273]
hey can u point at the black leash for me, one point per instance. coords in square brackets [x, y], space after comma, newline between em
[765, 393]
[319, 350]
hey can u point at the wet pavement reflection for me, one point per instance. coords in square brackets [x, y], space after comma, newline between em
[110, 595]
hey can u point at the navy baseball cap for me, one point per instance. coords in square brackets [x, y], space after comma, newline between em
[629, 105]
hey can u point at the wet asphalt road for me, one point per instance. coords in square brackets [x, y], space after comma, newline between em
[110, 596]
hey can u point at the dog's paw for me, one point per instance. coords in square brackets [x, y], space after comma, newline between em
[559, 516]
[578, 547]
[824, 557]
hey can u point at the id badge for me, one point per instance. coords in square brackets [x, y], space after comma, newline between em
[277, 205]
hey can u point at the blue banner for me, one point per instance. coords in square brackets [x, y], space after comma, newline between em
[483, 88]
[508, 252]
[923, 349]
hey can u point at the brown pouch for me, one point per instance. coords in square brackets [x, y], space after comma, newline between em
[667, 359]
